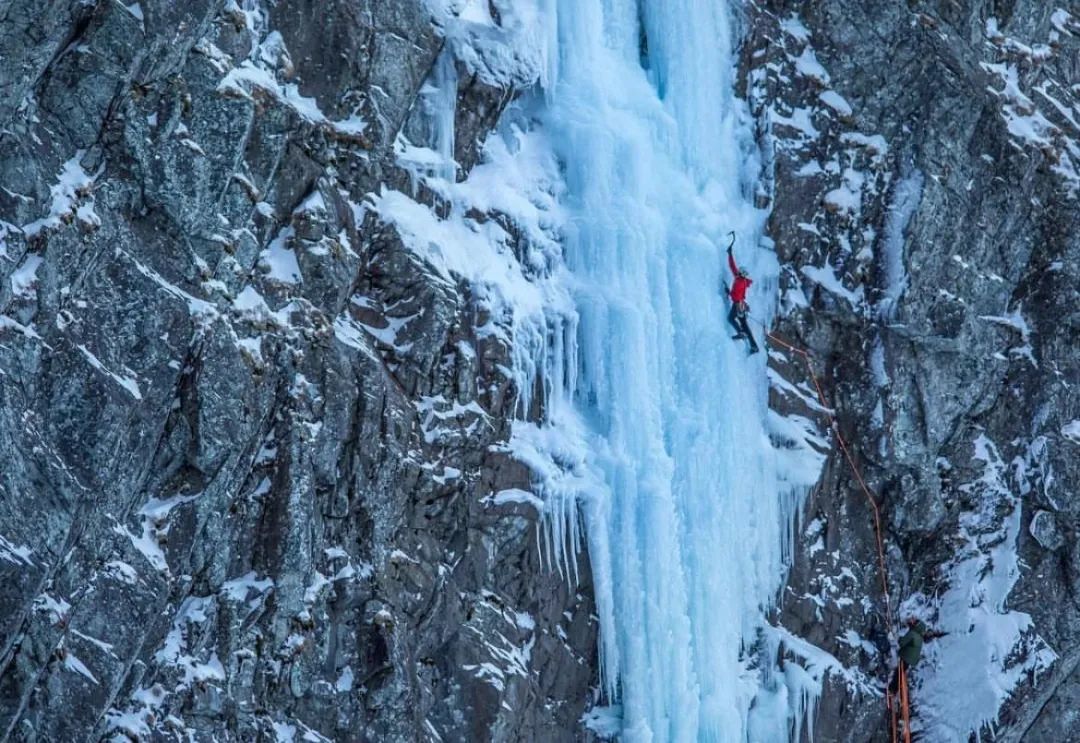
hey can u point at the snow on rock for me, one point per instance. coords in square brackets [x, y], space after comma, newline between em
[518, 279]
[902, 207]
[249, 76]
[180, 648]
[1071, 431]
[238, 589]
[58, 610]
[278, 259]
[504, 638]
[24, 278]
[461, 246]
[794, 27]
[807, 65]
[836, 102]
[799, 121]
[989, 648]
[825, 277]
[874, 144]
[517, 495]
[847, 199]
[1015, 320]
[127, 382]
[514, 47]
[72, 663]
[1054, 130]
[18, 555]
[73, 186]
[197, 307]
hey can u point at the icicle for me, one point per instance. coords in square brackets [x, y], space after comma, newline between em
[690, 524]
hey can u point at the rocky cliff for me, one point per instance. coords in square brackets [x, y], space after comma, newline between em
[923, 179]
[278, 286]
[254, 482]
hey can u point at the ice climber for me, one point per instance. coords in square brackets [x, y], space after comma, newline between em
[911, 645]
[739, 308]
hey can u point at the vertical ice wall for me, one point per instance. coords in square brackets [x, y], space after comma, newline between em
[653, 421]
[686, 545]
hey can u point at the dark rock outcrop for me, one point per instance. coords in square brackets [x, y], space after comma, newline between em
[247, 438]
[923, 181]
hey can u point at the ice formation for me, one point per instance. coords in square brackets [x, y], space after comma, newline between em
[655, 424]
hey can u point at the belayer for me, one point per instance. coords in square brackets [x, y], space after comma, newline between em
[737, 316]
[911, 645]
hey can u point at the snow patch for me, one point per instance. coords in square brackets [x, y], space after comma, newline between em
[18, 555]
[279, 258]
[990, 649]
[825, 277]
[72, 185]
[902, 206]
[836, 102]
[1071, 431]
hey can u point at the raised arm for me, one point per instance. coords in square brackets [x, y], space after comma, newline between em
[731, 263]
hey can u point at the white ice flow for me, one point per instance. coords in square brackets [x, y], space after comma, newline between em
[687, 546]
[632, 164]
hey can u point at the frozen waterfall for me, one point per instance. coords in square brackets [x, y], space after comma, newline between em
[655, 425]
[687, 541]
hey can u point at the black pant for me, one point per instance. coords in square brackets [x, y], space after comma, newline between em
[737, 318]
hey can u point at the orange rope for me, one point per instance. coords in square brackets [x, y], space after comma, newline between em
[877, 524]
[904, 702]
[854, 469]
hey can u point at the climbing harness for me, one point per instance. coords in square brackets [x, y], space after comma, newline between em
[876, 511]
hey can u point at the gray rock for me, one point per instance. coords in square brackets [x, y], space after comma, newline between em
[955, 241]
[218, 514]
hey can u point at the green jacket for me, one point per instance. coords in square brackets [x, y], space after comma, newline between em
[911, 644]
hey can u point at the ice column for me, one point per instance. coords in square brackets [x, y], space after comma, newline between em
[686, 545]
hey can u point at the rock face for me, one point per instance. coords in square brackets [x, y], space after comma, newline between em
[257, 473]
[923, 180]
[249, 439]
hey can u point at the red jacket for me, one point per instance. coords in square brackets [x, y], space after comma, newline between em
[742, 283]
